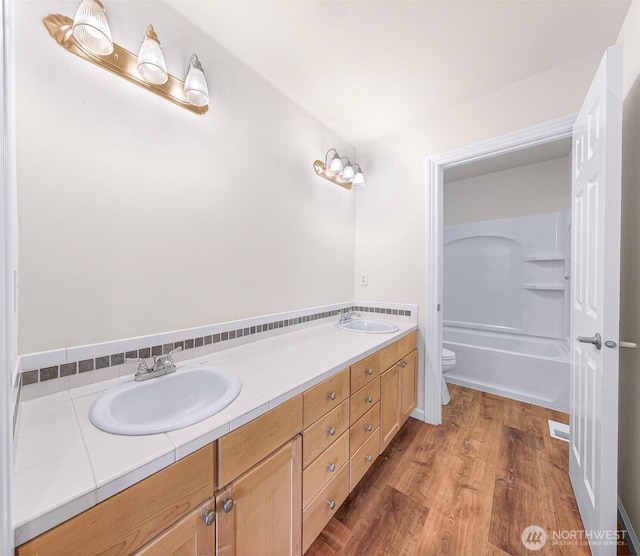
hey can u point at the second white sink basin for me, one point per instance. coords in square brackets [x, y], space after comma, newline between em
[368, 326]
[165, 403]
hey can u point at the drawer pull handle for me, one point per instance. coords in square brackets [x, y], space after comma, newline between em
[209, 518]
[368, 428]
[368, 458]
[332, 504]
[332, 431]
[227, 505]
[332, 467]
[369, 399]
[332, 396]
[369, 372]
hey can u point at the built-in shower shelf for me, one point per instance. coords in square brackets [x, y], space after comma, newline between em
[549, 287]
[535, 258]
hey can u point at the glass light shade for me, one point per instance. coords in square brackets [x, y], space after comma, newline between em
[358, 179]
[195, 85]
[91, 30]
[348, 174]
[151, 64]
[335, 166]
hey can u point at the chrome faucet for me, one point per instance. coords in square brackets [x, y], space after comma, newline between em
[347, 315]
[162, 365]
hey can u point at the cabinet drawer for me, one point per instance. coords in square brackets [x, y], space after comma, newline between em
[319, 473]
[390, 355]
[319, 512]
[324, 432]
[365, 371]
[322, 398]
[242, 448]
[364, 399]
[363, 459]
[408, 343]
[125, 522]
[363, 428]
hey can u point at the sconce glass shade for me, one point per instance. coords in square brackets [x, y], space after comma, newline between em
[358, 179]
[196, 91]
[348, 174]
[335, 166]
[151, 64]
[91, 30]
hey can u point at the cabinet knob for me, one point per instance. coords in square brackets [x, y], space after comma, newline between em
[367, 428]
[369, 399]
[404, 364]
[227, 505]
[332, 396]
[209, 518]
[332, 504]
[368, 458]
[332, 467]
[332, 431]
[369, 372]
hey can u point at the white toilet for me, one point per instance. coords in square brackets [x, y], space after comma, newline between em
[448, 363]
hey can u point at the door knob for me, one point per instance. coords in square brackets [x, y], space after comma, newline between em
[595, 340]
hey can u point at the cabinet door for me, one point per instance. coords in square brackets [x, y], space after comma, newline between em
[194, 535]
[389, 408]
[261, 511]
[408, 385]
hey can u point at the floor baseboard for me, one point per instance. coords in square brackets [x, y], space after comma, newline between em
[631, 537]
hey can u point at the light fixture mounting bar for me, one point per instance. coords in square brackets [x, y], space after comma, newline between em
[121, 62]
[322, 170]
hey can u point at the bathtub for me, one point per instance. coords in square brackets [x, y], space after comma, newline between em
[525, 368]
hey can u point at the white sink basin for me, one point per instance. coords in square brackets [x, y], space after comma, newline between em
[368, 326]
[165, 403]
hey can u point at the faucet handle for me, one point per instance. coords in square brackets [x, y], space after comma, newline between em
[142, 364]
[176, 350]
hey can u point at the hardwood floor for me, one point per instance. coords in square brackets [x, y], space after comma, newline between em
[466, 488]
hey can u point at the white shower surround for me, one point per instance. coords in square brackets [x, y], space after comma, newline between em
[508, 275]
[505, 306]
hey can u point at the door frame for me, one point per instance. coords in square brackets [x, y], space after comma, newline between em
[539, 134]
[8, 276]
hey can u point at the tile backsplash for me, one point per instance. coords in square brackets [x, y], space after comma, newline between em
[44, 371]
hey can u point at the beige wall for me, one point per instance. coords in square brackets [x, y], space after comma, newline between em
[537, 188]
[390, 211]
[629, 404]
[136, 216]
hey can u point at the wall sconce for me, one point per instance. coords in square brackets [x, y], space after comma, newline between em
[344, 175]
[88, 36]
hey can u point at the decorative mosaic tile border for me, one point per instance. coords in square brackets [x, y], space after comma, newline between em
[49, 372]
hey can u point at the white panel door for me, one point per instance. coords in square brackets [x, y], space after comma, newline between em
[595, 303]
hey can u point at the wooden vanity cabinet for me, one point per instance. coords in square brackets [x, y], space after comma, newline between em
[325, 448]
[398, 390]
[127, 521]
[260, 512]
[193, 535]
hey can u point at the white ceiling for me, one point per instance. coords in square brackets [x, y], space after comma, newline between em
[369, 68]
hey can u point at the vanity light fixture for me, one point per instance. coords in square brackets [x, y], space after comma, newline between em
[195, 85]
[88, 36]
[332, 169]
[358, 179]
[151, 64]
[91, 29]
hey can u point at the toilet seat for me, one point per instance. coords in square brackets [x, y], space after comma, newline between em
[448, 355]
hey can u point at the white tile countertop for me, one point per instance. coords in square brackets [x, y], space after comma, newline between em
[64, 465]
